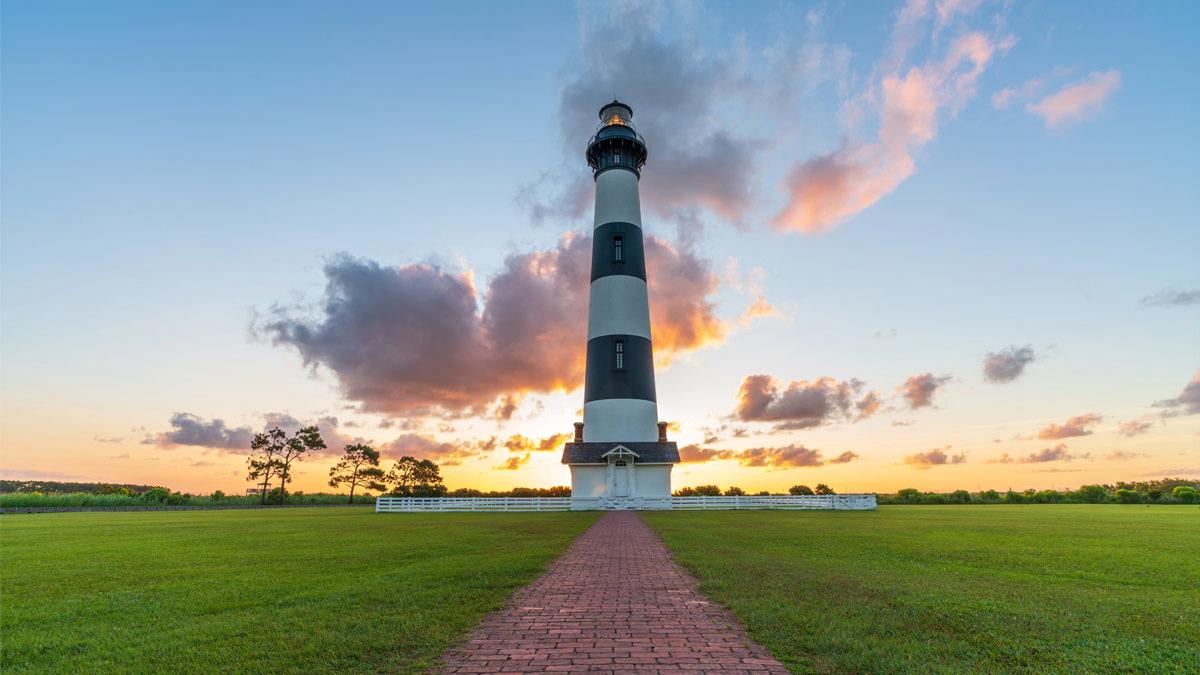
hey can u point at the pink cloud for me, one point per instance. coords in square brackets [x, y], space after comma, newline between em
[1078, 101]
[825, 190]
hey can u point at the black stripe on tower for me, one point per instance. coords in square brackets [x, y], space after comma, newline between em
[617, 249]
[619, 366]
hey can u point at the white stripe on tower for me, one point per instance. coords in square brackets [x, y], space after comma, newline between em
[619, 401]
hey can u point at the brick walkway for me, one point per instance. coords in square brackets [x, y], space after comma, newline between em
[614, 602]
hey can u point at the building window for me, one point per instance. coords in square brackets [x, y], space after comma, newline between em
[619, 354]
[621, 462]
[618, 249]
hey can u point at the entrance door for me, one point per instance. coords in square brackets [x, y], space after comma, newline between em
[620, 479]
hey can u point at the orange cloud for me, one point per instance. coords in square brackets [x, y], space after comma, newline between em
[411, 340]
[932, 458]
[1076, 102]
[825, 190]
[1080, 425]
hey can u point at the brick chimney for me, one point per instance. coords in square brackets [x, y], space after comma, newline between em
[662, 432]
[579, 432]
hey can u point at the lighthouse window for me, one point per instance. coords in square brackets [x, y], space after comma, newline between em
[618, 249]
[621, 462]
[619, 354]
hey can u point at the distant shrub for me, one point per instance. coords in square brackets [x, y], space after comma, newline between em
[959, 497]
[1091, 494]
[217, 496]
[909, 496]
[685, 492]
[708, 491]
[933, 498]
[764, 493]
[1011, 497]
[735, 491]
[1184, 493]
[989, 496]
[1047, 497]
[1129, 496]
[823, 489]
[156, 495]
[800, 490]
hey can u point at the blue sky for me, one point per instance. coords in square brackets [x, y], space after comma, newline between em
[173, 171]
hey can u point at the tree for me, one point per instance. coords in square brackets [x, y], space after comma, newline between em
[735, 491]
[359, 465]
[823, 489]
[416, 478]
[1184, 493]
[305, 440]
[800, 490]
[1092, 494]
[264, 465]
[708, 491]
[909, 496]
[686, 492]
[1129, 496]
[960, 497]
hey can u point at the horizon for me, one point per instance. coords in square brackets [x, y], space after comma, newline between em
[950, 250]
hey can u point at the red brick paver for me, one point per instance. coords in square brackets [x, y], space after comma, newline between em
[614, 602]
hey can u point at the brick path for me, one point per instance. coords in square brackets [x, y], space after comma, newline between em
[614, 602]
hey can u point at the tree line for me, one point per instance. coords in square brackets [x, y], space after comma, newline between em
[1163, 491]
[734, 491]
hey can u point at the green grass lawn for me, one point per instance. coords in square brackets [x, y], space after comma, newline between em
[1040, 588]
[276, 590]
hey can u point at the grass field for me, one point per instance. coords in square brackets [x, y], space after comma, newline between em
[278, 590]
[1040, 588]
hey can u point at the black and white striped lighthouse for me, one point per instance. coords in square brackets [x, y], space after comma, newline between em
[621, 431]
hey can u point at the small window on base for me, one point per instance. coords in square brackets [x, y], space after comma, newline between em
[619, 355]
[618, 249]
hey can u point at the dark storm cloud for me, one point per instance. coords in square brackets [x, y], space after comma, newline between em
[1007, 365]
[919, 390]
[1080, 425]
[412, 340]
[1171, 298]
[1186, 403]
[803, 404]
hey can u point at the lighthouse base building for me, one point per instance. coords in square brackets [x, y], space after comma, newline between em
[620, 457]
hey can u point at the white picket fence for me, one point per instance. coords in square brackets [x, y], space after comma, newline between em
[851, 502]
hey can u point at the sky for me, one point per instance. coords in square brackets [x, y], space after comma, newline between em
[945, 244]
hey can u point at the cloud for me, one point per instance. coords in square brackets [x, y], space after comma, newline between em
[1080, 425]
[803, 404]
[781, 457]
[1134, 427]
[1057, 453]
[413, 340]
[513, 463]
[677, 88]
[932, 458]
[108, 439]
[907, 99]
[1078, 101]
[1171, 298]
[1119, 455]
[444, 453]
[189, 429]
[124, 455]
[918, 390]
[1007, 365]
[1186, 403]
[521, 443]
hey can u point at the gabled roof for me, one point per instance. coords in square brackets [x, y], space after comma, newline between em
[597, 453]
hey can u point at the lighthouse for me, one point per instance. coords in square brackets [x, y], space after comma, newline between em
[620, 456]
